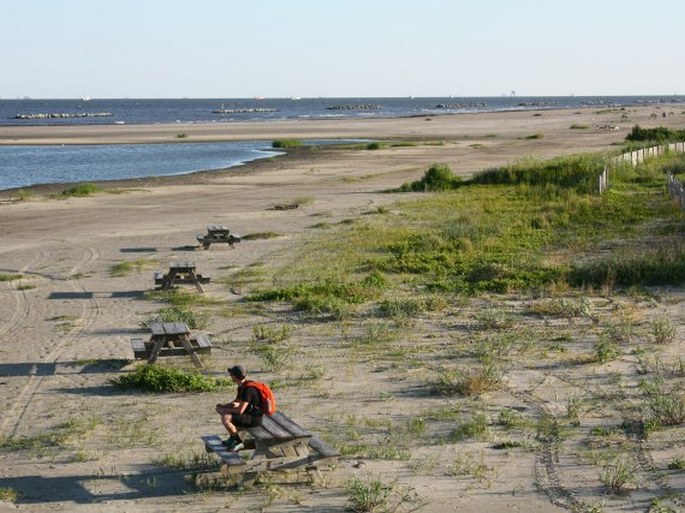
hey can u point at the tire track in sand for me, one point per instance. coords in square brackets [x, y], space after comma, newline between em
[89, 312]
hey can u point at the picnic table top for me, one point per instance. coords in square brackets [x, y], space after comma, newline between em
[169, 328]
[179, 266]
[217, 228]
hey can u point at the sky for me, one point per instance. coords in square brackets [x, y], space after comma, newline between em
[345, 48]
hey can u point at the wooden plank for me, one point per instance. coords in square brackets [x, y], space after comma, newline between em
[202, 341]
[139, 350]
[323, 448]
[156, 328]
[289, 425]
[260, 434]
[214, 444]
[276, 430]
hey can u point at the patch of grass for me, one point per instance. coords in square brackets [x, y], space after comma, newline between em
[577, 126]
[260, 236]
[157, 378]
[11, 277]
[374, 146]
[538, 135]
[617, 474]
[676, 464]
[399, 308]
[23, 195]
[26, 286]
[666, 407]
[439, 177]
[475, 427]
[656, 135]
[606, 349]
[512, 419]
[467, 464]
[182, 298]
[663, 330]
[127, 267]
[81, 189]
[474, 382]
[371, 495]
[271, 334]
[194, 320]
[287, 143]
[8, 494]
[182, 135]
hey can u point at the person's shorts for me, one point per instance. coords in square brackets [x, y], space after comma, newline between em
[246, 420]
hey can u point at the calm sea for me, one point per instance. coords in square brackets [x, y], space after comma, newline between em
[21, 166]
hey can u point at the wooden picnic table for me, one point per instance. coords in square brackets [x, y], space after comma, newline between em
[181, 273]
[171, 339]
[217, 234]
[279, 444]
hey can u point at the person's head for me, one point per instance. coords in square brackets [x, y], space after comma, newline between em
[237, 373]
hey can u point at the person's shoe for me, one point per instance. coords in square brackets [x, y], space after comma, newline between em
[231, 442]
[239, 446]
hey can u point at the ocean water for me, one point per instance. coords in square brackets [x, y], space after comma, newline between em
[145, 111]
[21, 166]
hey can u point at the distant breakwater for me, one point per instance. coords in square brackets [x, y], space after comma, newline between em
[365, 106]
[56, 115]
[461, 105]
[244, 111]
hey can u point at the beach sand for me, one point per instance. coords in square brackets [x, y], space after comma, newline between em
[68, 323]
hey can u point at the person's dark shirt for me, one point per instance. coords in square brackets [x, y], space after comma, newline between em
[251, 396]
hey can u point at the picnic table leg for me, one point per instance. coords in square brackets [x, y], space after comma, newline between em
[193, 355]
[193, 277]
[155, 350]
[168, 280]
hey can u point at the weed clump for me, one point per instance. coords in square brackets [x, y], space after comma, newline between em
[81, 189]
[286, 143]
[659, 134]
[155, 378]
[439, 177]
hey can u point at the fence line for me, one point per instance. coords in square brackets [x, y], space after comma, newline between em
[638, 157]
[677, 190]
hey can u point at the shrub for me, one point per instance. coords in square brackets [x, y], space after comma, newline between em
[664, 330]
[658, 135]
[374, 146]
[439, 177]
[156, 378]
[81, 189]
[286, 143]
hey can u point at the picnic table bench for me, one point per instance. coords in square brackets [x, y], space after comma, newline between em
[181, 273]
[217, 234]
[279, 444]
[171, 339]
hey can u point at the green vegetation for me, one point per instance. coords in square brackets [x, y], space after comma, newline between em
[157, 378]
[577, 126]
[8, 494]
[194, 320]
[656, 135]
[182, 298]
[373, 495]
[81, 189]
[286, 143]
[538, 135]
[182, 135]
[11, 277]
[23, 195]
[124, 268]
[374, 146]
[438, 178]
[260, 235]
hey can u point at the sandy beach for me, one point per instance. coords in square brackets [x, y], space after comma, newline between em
[66, 326]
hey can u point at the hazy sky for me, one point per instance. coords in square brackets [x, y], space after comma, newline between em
[272, 48]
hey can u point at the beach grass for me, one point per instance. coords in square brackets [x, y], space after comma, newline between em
[81, 189]
[287, 143]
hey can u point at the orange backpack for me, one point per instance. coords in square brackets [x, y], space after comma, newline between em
[265, 394]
